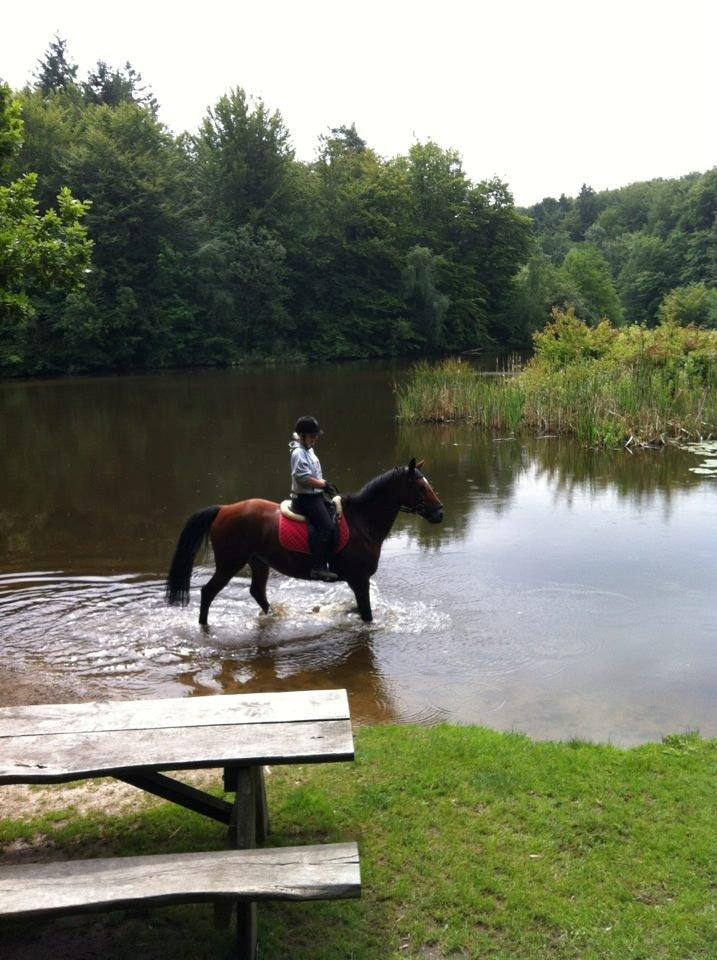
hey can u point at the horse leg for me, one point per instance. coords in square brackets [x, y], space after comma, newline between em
[259, 576]
[363, 598]
[209, 591]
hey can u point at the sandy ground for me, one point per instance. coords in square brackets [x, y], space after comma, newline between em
[18, 687]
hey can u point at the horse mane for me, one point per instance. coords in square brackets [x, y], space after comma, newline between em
[370, 489]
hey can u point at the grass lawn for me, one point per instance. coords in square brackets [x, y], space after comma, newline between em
[474, 844]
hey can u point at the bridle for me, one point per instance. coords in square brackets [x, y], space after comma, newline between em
[421, 508]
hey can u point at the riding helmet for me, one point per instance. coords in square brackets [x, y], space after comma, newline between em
[307, 425]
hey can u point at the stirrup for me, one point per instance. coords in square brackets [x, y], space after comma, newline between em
[323, 573]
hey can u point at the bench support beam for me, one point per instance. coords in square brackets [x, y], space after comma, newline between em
[179, 793]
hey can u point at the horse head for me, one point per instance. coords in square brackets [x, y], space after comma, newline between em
[418, 496]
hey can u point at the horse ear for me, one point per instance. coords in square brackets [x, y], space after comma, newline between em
[412, 465]
[419, 465]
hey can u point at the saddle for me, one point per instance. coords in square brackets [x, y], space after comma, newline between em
[286, 511]
[295, 531]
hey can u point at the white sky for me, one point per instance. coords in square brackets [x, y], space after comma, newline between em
[547, 95]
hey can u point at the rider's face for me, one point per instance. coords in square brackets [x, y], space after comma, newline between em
[309, 439]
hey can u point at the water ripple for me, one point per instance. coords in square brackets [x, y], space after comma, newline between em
[118, 629]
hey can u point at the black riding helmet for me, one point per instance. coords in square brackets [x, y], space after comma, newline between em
[308, 425]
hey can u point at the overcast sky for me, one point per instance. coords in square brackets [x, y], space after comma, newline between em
[546, 95]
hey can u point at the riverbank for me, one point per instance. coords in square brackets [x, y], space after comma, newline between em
[22, 686]
[473, 844]
[605, 385]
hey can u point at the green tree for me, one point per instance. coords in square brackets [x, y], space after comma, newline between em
[248, 191]
[49, 134]
[55, 71]
[111, 86]
[438, 188]
[355, 254]
[132, 171]
[245, 163]
[648, 273]
[480, 237]
[494, 242]
[11, 127]
[243, 276]
[694, 304]
[590, 274]
[38, 253]
[429, 306]
[536, 290]
[341, 140]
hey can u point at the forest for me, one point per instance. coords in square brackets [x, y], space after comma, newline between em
[126, 246]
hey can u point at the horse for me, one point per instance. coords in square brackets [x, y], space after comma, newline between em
[248, 532]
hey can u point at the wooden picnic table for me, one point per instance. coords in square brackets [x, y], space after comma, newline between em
[140, 741]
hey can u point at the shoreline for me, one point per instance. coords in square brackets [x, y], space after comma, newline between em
[23, 687]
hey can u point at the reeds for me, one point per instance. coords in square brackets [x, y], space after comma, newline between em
[452, 390]
[605, 386]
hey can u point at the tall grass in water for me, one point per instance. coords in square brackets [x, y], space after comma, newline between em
[602, 384]
[452, 391]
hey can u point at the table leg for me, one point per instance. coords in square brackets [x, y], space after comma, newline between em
[244, 782]
[262, 810]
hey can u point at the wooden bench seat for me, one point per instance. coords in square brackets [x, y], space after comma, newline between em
[139, 742]
[324, 872]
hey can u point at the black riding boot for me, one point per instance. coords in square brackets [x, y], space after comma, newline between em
[320, 569]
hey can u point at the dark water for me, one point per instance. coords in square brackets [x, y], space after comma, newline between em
[568, 592]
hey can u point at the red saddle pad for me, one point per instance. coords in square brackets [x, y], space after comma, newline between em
[294, 535]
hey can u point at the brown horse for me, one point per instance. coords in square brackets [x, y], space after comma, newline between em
[248, 532]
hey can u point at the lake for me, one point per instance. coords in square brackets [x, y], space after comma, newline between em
[568, 593]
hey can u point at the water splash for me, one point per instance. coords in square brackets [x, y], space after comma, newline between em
[118, 630]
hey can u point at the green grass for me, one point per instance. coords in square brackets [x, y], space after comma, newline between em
[601, 384]
[473, 844]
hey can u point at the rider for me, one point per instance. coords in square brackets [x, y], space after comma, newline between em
[307, 486]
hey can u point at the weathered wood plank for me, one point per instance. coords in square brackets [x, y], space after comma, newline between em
[288, 707]
[51, 759]
[288, 873]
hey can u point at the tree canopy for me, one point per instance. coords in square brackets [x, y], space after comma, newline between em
[39, 253]
[635, 255]
[216, 246]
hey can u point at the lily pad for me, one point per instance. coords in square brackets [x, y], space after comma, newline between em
[704, 448]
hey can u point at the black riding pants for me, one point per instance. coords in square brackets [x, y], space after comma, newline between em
[316, 510]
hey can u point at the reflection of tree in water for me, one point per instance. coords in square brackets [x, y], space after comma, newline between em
[468, 465]
[464, 465]
[101, 473]
[638, 477]
[341, 661]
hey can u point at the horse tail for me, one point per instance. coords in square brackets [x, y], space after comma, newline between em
[194, 534]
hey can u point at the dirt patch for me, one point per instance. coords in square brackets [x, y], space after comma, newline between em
[23, 686]
[106, 796]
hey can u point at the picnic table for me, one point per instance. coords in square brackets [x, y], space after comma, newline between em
[139, 742]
